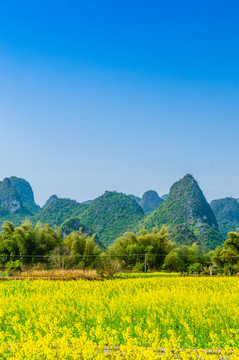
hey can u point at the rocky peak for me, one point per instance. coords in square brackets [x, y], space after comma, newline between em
[187, 206]
[10, 201]
[150, 201]
[5, 184]
[50, 200]
[26, 193]
[193, 204]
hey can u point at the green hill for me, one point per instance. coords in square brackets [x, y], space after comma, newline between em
[10, 201]
[186, 205]
[11, 206]
[227, 214]
[49, 201]
[26, 194]
[150, 201]
[59, 211]
[112, 214]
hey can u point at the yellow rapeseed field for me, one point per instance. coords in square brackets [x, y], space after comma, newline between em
[123, 318]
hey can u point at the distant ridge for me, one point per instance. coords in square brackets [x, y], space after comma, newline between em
[150, 201]
[227, 213]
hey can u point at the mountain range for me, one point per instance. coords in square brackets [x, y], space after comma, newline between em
[185, 210]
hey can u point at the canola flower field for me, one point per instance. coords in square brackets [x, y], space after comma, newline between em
[120, 319]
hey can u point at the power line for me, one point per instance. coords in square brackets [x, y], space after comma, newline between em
[106, 255]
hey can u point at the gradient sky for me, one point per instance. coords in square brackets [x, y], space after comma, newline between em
[119, 95]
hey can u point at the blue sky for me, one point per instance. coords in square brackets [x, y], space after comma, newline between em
[119, 95]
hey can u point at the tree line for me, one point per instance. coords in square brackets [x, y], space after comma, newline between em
[150, 250]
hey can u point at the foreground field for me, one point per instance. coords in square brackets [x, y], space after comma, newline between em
[135, 317]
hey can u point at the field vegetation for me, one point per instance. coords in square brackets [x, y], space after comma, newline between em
[52, 274]
[137, 318]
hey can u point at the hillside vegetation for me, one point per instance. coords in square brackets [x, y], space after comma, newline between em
[227, 214]
[58, 212]
[111, 214]
[186, 205]
[49, 201]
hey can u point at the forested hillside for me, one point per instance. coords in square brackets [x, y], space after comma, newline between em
[227, 214]
[186, 205]
[111, 214]
[59, 211]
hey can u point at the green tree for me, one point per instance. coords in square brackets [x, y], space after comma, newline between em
[8, 246]
[46, 238]
[186, 259]
[25, 241]
[132, 248]
[82, 247]
[173, 262]
[227, 256]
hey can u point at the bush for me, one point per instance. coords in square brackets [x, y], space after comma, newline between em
[107, 267]
[13, 266]
[195, 268]
[139, 267]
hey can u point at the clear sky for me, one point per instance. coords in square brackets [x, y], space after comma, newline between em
[123, 95]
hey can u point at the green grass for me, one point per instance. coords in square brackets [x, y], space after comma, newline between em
[148, 275]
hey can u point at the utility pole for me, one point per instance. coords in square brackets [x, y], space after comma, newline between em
[145, 265]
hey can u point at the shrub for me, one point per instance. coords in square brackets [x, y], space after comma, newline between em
[13, 266]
